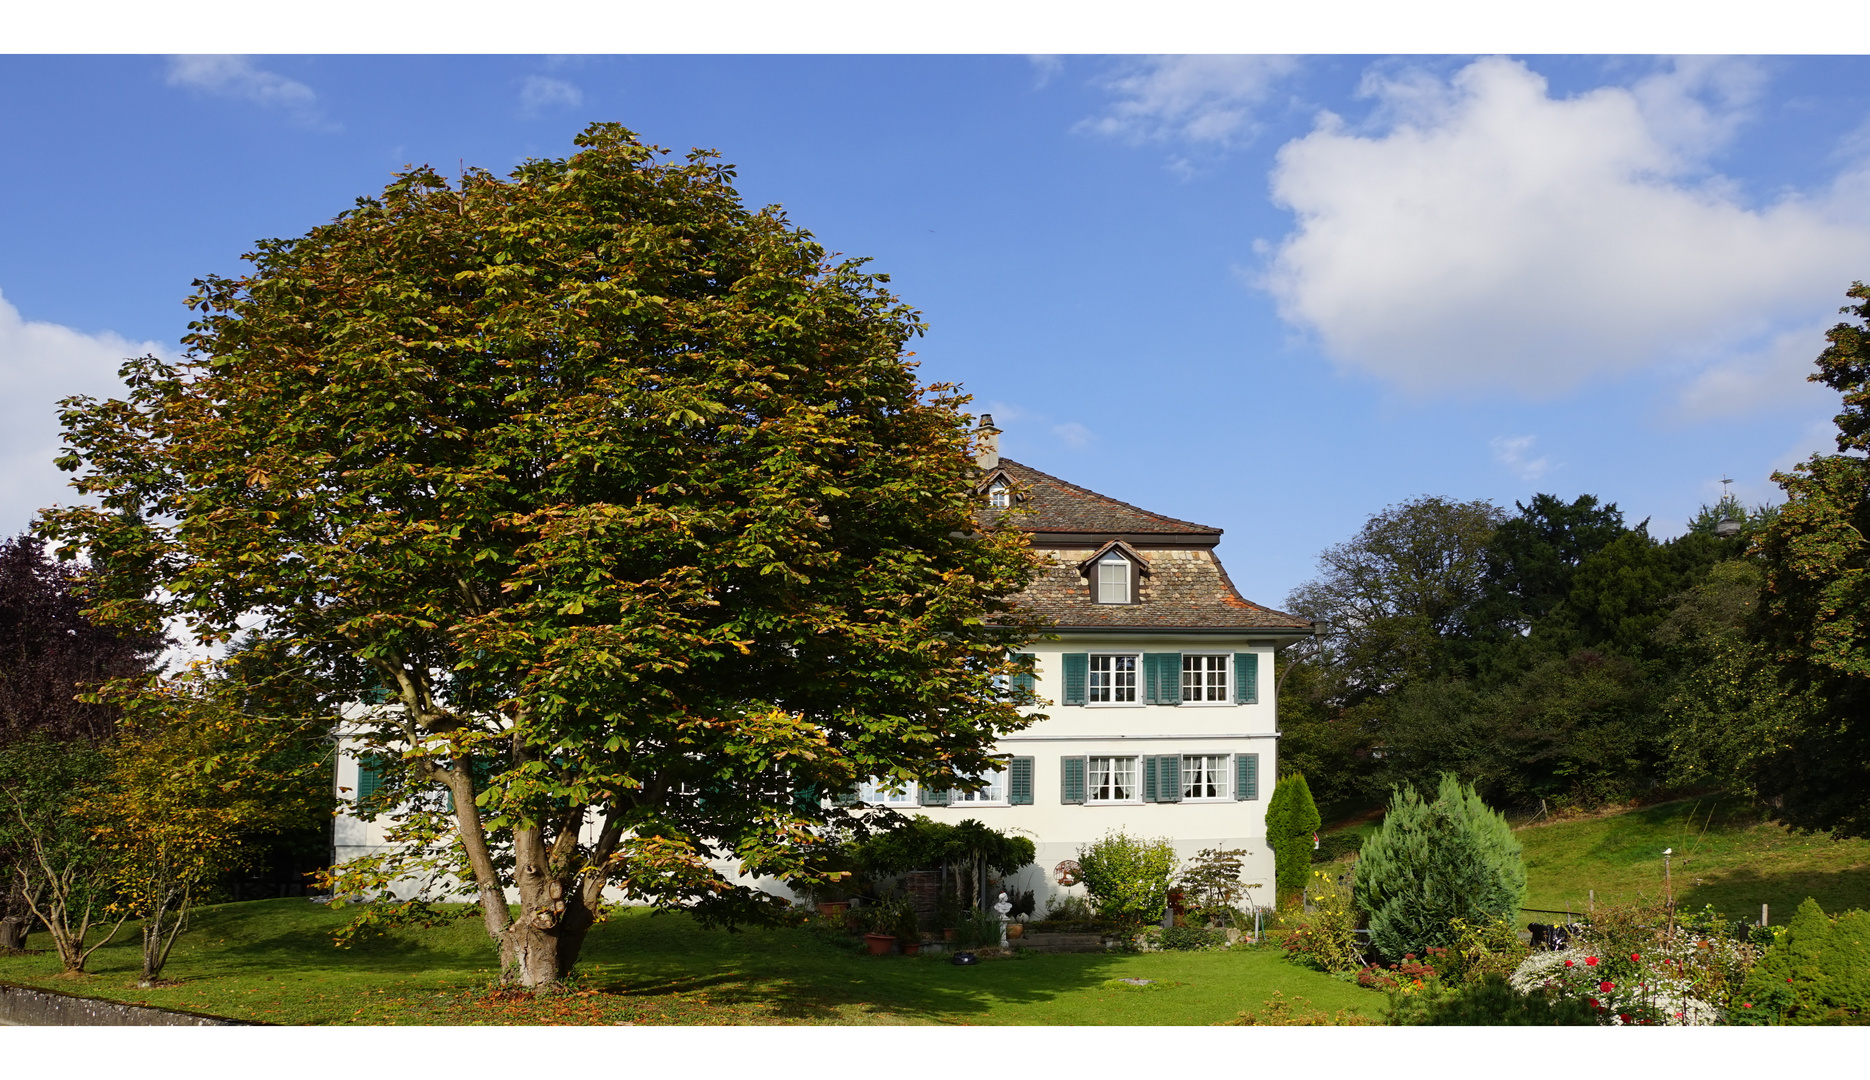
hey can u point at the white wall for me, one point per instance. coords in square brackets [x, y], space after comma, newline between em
[1056, 828]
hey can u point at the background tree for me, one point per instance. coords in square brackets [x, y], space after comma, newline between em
[1397, 592]
[1291, 820]
[1433, 863]
[49, 652]
[1814, 621]
[58, 870]
[193, 786]
[624, 497]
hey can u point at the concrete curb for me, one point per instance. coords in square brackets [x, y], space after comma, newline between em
[29, 1006]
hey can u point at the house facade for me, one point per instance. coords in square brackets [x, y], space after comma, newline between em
[1156, 681]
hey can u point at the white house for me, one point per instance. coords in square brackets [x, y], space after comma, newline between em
[1161, 719]
[1157, 679]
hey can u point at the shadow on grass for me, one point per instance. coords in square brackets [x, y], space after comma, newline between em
[1739, 893]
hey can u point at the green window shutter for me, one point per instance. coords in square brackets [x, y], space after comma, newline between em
[928, 797]
[1026, 682]
[1246, 777]
[1169, 678]
[1019, 781]
[1077, 674]
[1169, 784]
[1246, 678]
[1071, 780]
[1157, 680]
[847, 797]
[1149, 779]
[369, 776]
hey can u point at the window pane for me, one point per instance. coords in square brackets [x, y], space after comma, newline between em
[995, 791]
[1113, 582]
[1123, 678]
[1100, 677]
[1204, 776]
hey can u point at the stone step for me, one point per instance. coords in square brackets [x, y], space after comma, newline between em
[1042, 943]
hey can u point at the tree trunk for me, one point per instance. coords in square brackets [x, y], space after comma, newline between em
[555, 914]
[15, 916]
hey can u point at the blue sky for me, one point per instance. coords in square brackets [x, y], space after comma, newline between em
[1265, 293]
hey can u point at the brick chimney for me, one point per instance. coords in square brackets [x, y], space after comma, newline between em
[987, 444]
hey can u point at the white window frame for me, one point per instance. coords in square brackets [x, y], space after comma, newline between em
[1224, 774]
[1136, 779]
[1129, 578]
[1000, 497]
[871, 792]
[957, 797]
[1227, 680]
[1136, 680]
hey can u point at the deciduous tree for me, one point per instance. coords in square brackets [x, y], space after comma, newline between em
[622, 495]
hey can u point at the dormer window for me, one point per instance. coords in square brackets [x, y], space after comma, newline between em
[1113, 579]
[1114, 573]
[999, 497]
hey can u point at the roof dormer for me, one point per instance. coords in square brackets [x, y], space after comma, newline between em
[1115, 573]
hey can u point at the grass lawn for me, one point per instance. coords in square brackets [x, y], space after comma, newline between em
[1725, 855]
[272, 960]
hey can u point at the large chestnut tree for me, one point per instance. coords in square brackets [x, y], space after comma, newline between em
[621, 497]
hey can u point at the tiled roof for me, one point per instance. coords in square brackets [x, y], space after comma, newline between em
[1051, 505]
[1186, 588]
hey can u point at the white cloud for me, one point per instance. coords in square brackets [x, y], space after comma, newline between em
[1045, 67]
[1771, 376]
[39, 364]
[1206, 100]
[1512, 452]
[539, 92]
[1073, 434]
[237, 78]
[1485, 235]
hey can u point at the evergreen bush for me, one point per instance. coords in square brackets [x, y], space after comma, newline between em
[1433, 863]
[1291, 820]
[1816, 972]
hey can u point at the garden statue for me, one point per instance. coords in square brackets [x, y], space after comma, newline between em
[1004, 907]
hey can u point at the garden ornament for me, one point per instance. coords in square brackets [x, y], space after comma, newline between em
[1003, 907]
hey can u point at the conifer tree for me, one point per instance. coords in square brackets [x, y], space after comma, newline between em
[1434, 862]
[1291, 821]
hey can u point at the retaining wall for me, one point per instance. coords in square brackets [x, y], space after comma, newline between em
[31, 1006]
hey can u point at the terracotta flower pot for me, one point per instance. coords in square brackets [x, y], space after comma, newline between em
[911, 948]
[833, 908]
[948, 933]
[1014, 931]
[879, 944]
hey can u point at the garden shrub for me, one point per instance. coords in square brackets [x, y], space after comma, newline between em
[1211, 882]
[1432, 863]
[1192, 937]
[1291, 821]
[1127, 877]
[1816, 972]
[1324, 938]
[1490, 1001]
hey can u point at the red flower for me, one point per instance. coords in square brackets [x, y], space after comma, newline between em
[1625, 1017]
[1747, 1005]
[1634, 957]
[1568, 964]
[1607, 987]
[1590, 961]
[1594, 1005]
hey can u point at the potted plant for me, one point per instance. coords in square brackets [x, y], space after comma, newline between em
[906, 926]
[1023, 904]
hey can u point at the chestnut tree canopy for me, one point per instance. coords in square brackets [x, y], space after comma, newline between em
[621, 499]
